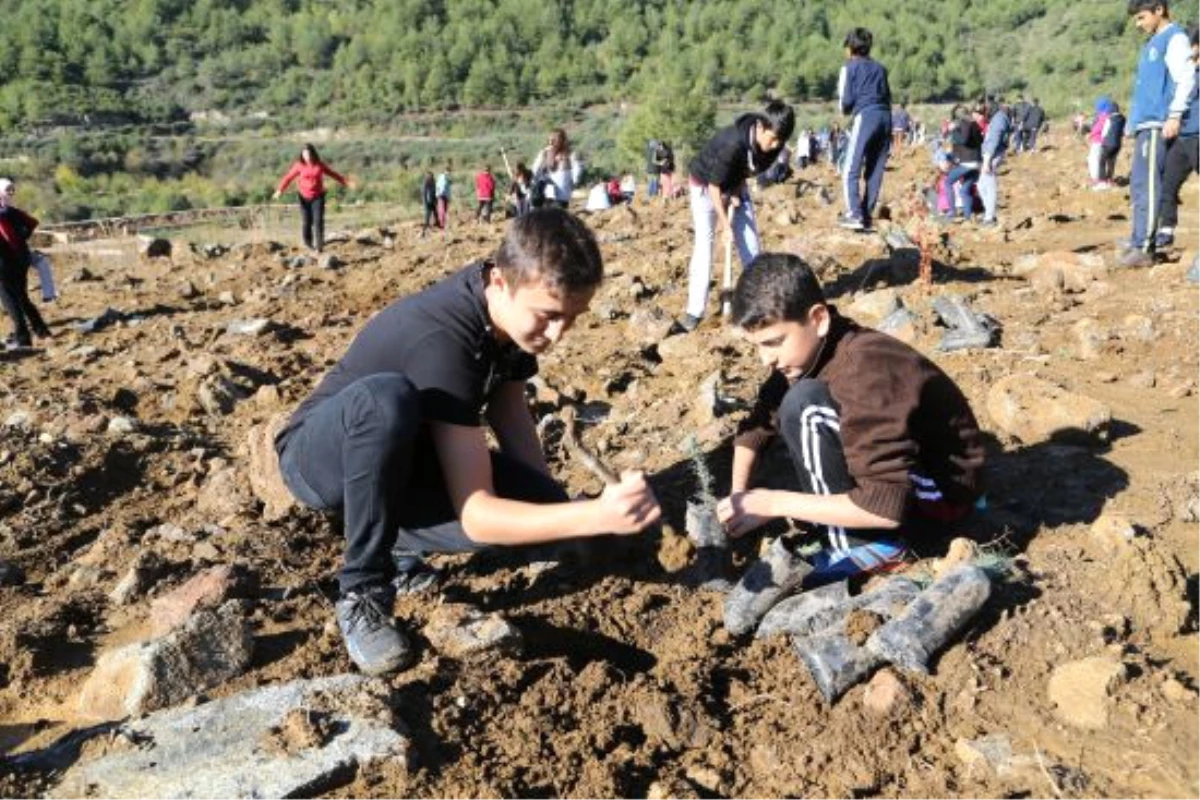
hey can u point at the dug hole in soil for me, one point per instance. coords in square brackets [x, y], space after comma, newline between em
[128, 447]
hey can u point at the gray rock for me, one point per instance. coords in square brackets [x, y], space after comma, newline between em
[1193, 273]
[218, 395]
[294, 740]
[460, 631]
[121, 425]
[213, 647]
[648, 325]
[111, 316]
[188, 290]
[19, 419]
[249, 327]
[330, 261]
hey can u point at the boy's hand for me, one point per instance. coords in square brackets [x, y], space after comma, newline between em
[275, 196]
[629, 506]
[743, 512]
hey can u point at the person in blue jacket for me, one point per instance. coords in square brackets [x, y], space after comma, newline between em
[1164, 81]
[865, 96]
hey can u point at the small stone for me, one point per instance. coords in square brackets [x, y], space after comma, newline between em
[227, 298]
[248, 327]
[461, 631]
[329, 261]
[993, 752]
[188, 290]
[121, 425]
[1176, 692]
[875, 306]
[1143, 380]
[19, 419]
[1114, 530]
[886, 693]
[648, 325]
[960, 551]
[1080, 690]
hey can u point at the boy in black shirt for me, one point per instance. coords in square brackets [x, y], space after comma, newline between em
[393, 434]
[717, 181]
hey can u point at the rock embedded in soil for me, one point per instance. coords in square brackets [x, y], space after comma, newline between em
[886, 693]
[1113, 530]
[296, 739]
[1080, 690]
[211, 648]
[1033, 410]
[875, 306]
[207, 589]
[266, 481]
[463, 632]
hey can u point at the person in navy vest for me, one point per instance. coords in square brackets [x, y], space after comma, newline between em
[1183, 155]
[865, 96]
[1164, 81]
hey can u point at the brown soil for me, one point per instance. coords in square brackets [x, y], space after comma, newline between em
[628, 684]
[861, 623]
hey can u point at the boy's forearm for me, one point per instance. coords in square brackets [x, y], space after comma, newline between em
[488, 519]
[831, 509]
[744, 459]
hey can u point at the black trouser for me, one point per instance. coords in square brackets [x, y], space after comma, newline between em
[14, 296]
[365, 451]
[312, 221]
[1183, 158]
[809, 422]
[430, 217]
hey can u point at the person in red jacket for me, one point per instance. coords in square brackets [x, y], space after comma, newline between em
[485, 193]
[308, 172]
[15, 229]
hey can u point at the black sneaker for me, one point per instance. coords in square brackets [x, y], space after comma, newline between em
[413, 574]
[849, 222]
[365, 619]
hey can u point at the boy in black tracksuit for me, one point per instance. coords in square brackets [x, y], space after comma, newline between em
[865, 95]
[393, 436]
[884, 443]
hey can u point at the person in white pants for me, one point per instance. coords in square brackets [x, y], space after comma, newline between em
[708, 216]
[719, 197]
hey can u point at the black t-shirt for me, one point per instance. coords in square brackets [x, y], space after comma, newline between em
[442, 340]
[731, 156]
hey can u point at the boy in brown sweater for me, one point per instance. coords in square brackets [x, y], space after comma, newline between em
[881, 438]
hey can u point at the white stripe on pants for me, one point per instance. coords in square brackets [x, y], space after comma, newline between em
[704, 223]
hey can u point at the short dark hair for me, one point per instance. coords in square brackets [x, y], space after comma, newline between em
[858, 41]
[1148, 5]
[776, 287]
[780, 118]
[552, 246]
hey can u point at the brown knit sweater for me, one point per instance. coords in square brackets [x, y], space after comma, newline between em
[898, 412]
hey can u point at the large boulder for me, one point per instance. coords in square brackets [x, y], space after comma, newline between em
[295, 740]
[1033, 410]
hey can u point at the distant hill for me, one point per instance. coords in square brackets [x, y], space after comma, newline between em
[154, 61]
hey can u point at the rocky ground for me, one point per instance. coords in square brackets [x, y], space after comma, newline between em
[147, 564]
